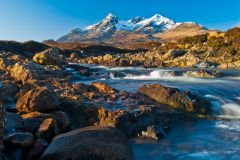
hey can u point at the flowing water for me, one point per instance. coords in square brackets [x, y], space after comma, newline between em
[188, 139]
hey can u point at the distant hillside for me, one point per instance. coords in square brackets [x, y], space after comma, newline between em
[182, 30]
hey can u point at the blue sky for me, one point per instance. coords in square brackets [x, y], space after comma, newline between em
[23, 20]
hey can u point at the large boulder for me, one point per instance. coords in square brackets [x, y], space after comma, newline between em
[135, 123]
[28, 71]
[39, 99]
[90, 143]
[48, 57]
[183, 100]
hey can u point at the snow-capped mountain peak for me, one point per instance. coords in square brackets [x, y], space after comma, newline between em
[159, 22]
[158, 19]
[111, 25]
[111, 18]
[156, 23]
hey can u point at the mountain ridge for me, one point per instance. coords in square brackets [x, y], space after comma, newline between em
[112, 27]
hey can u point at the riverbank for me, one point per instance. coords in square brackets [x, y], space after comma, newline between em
[45, 98]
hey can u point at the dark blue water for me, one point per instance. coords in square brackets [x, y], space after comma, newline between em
[188, 139]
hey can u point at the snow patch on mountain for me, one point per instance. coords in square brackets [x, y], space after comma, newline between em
[158, 20]
[154, 22]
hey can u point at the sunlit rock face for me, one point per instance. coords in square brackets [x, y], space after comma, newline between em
[183, 100]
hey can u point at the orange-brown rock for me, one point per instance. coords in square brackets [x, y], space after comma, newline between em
[48, 57]
[183, 100]
[36, 115]
[27, 71]
[134, 123]
[47, 129]
[39, 99]
[103, 88]
[81, 88]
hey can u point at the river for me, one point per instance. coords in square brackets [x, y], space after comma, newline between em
[188, 139]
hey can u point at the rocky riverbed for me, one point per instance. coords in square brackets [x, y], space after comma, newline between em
[50, 107]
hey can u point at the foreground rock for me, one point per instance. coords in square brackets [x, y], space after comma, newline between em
[90, 143]
[48, 57]
[136, 123]
[39, 99]
[183, 100]
[100, 104]
[28, 70]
